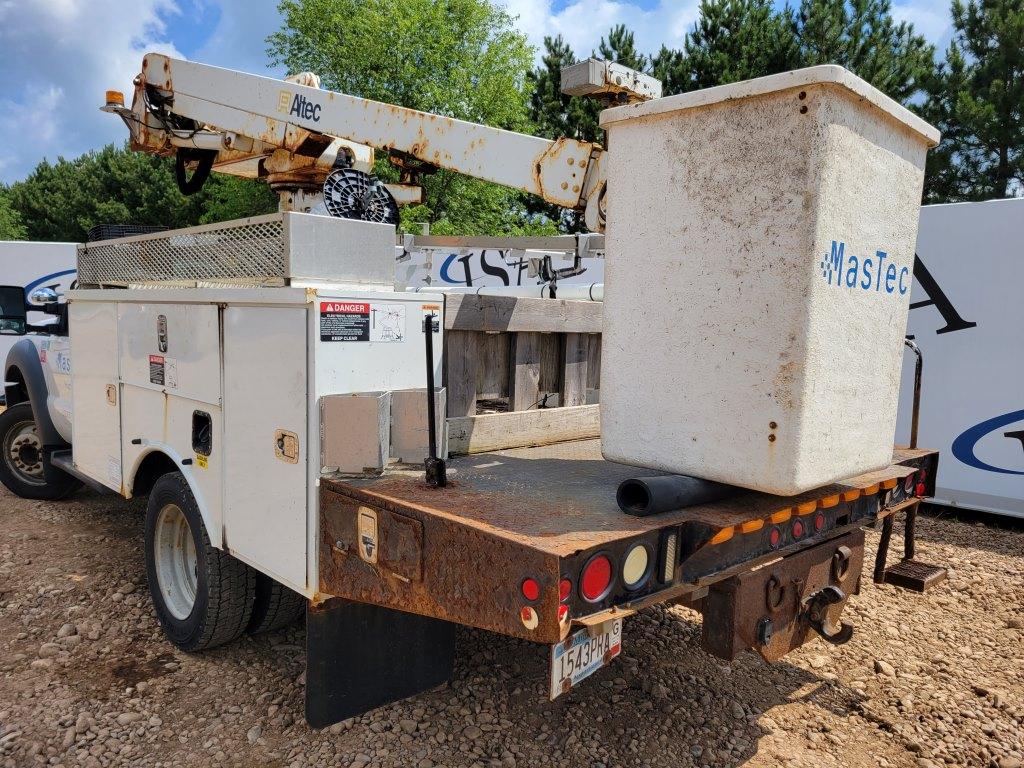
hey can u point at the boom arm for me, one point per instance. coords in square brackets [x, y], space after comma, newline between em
[240, 115]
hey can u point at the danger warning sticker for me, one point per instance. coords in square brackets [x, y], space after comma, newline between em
[361, 321]
[156, 369]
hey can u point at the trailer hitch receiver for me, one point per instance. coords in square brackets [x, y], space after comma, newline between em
[816, 613]
[777, 608]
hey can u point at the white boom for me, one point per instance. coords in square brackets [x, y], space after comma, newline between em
[291, 133]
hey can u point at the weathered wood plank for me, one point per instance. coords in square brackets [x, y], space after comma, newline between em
[594, 361]
[471, 312]
[520, 429]
[575, 348]
[524, 371]
[492, 373]
[462, 360]
[550, 383]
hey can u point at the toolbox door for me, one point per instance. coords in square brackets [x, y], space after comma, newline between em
[95, 395]
[265, 451]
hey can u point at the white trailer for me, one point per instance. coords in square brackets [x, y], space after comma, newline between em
[966, 315]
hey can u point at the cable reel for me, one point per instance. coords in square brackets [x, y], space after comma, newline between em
[352, 194]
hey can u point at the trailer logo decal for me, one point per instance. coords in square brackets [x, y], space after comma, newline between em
[865, 272]
[964, 446]
[298, 106]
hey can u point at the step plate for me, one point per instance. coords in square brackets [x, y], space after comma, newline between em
[914, 575]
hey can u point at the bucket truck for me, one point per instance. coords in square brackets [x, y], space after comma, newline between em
[273, 396]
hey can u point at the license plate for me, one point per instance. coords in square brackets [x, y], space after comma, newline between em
[581, 654]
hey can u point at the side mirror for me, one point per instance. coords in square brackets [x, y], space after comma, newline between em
[44, 296]
[13, 312]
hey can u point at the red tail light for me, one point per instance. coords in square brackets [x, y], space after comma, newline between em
[564, 590]
[530, 589]
[596, 579]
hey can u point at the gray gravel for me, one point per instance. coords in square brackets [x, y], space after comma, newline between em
[86, 678]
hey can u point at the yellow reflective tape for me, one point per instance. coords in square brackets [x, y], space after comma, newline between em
[828, 501]
[850, 495]
[751, 525]
[807, 507]
[722, 536]
[782, 515]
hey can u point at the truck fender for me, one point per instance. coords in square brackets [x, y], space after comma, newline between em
[23, 363]
[159, 459]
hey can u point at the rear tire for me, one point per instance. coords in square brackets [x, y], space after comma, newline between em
[203, 596]
[24, 466]
[276, 606]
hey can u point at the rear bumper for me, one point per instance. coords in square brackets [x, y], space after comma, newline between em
[459, 570]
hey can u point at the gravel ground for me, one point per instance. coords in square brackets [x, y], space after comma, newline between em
[87, 679]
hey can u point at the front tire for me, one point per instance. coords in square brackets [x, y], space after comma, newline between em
[203, 596]
[24, 465]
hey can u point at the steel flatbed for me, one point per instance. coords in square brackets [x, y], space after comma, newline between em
[460, 553]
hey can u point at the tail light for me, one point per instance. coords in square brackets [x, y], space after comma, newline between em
[636, 567]
[530, 589]
[564, 590]
[596, 578]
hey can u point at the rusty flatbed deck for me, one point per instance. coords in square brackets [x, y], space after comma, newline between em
[560, 498]
[460, 553]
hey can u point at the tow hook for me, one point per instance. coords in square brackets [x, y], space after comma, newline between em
[816, 610]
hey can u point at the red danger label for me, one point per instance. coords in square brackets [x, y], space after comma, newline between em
[345, 307]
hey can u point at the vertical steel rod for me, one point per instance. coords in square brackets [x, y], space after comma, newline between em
[918, 368]
[435, 467]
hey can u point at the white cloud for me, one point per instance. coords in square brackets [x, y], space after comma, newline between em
[582, 23]
[239, 39]
[929, 17]
[59, 56]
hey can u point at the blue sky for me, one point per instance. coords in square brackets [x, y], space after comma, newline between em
[59, 56]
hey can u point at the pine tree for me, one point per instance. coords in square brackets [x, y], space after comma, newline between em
[862, 36]
[739, 39]
[620, 47]
[672, 69]
[553, 113]
[977, 100]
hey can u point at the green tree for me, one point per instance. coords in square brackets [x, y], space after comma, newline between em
[620, 47]
[232, 197]
[459, 58]
[976, 99]
[736, 40]
[11, 226]
[62, 200]
[553, 113]
[862, 36]
[672, 69]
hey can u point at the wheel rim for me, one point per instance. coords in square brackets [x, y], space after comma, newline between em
[174, 550]
[23, 453]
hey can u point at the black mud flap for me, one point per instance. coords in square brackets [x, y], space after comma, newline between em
[360, 657]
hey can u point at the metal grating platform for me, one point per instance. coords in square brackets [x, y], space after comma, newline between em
[247, 251]
[915, 575]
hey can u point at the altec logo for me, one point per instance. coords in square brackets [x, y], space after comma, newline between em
[298, 106]
[866, 273]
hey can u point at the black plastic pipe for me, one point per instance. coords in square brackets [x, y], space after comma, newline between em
[642, 496]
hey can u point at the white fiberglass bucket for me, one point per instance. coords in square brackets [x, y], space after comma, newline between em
[760, 249]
